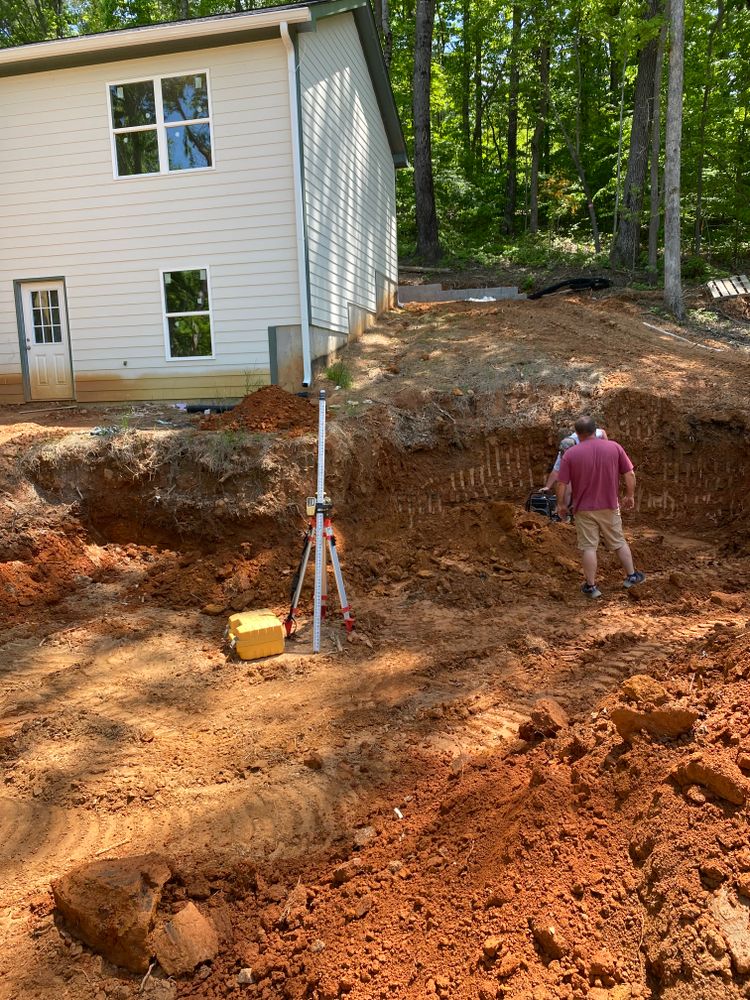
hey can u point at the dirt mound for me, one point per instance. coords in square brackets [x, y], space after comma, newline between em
[269, 408]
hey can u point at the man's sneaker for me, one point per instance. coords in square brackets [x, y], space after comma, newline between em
[591, 590]
[633, 580]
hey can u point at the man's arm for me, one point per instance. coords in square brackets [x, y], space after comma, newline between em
[628, 501]
[561, 490]
[552, 477]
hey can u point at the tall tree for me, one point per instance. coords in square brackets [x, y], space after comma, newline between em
[383, 21]
[708, 82]
[626, 244]
[654, 220]
[673, 148]
[536, 140]
[511, 189]
[576, 158]
[428, 242]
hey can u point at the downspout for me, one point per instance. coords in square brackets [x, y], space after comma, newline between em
[299, 209]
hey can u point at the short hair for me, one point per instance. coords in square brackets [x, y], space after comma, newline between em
[585, 426]
[567, 442]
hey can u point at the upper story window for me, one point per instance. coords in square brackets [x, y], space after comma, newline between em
[161, 124]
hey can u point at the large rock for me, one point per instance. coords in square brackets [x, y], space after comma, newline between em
[111, 906]
[659, 722]
[719, 776]
[732, 916]
[547, 719]
[644, 690]
[184, 941]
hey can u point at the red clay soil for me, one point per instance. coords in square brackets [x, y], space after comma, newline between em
[269, 408]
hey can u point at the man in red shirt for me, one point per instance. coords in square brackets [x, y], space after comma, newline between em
[593, 469]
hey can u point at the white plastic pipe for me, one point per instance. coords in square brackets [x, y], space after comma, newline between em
[304, 304]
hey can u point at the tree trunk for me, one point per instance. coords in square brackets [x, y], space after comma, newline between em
[183, 10]
[654, 219]
[385, 27]
[509, 218]
[738, 193]
[536, 140]
[428, 244]
[619, 149]
[708, 81]
[625, 247]
[582, 178]
[465, 84]
[673, 144]
[477, 140]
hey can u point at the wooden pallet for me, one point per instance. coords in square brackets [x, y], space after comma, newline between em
[722, 288]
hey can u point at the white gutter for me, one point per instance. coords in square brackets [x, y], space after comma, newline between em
[109, 42]
[304, 304]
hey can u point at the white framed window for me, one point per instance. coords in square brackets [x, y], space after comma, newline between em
[187, 314]
[160, 124]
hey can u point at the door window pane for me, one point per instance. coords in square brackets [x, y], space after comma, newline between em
[45, 312]
[137, 153]
[185, 98]
[133, 104]
[189, 146]
[189, 336]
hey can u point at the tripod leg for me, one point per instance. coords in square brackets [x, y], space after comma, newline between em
[324, 584]
[346, 611]
[291, 618]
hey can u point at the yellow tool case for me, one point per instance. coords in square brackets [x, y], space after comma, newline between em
[254, 634]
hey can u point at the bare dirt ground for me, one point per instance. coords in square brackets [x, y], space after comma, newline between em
[368, 822]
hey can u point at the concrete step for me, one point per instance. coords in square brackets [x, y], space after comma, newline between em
[434, 293]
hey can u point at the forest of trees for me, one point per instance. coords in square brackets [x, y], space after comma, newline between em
[532, 125]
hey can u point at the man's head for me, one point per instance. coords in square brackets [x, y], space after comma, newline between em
[567, 442]
[585, 427]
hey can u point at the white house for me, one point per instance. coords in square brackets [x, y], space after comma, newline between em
[194, 208]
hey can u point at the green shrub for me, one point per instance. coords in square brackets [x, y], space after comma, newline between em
[694, 268]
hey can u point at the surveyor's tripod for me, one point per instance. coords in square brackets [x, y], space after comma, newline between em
[319, 529]
[329, 544]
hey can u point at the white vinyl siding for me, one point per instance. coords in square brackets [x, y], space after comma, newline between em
[65, 215]
[350, 200]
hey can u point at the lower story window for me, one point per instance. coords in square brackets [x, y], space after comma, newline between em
[187, 314]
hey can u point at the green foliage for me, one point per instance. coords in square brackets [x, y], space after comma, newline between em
[340, 375]
[694, 268]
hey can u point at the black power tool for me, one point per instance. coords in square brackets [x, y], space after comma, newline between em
[542, 502]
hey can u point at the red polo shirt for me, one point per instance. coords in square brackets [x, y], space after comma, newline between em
[593, 469]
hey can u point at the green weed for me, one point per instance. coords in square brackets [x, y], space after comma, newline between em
[340, 375]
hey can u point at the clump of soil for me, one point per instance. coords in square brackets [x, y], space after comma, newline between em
[269, 408]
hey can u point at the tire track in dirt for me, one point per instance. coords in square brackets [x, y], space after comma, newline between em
[40, 840]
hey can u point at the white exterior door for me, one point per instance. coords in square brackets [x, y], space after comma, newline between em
[47, 346]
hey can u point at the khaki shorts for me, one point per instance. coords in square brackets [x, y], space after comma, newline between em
[592, 525]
